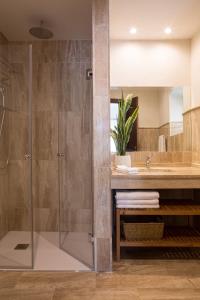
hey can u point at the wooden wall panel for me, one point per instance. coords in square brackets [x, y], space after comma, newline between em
[101, 137]
[147, 139]
[187, 132]
[175, 143]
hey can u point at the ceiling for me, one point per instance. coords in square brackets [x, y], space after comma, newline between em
[68, 19]
[150, 17]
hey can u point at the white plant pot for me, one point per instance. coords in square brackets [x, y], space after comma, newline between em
[123, 160]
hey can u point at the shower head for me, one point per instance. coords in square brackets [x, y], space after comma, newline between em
[41, 32]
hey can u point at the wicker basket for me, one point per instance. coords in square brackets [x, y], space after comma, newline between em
[143, 231]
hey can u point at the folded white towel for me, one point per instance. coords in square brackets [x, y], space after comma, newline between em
[134, 201]
[138, 206]
[125, 169]
[147, 195]
[162, 143]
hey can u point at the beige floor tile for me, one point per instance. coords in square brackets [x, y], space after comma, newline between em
[150, 281]
[65, 294]
[8, 279]
[169, 294]
[70, 280]
[195, 281]
[27, 294]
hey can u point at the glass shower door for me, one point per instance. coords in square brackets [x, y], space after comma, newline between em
[16, 240]
[75, 161]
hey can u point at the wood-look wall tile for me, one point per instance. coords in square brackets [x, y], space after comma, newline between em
[44, 52]
[19, 183]
[19, 219]
[195, 117]
[101, 136]
[187, 132]
[18, 91]
[18, 135]
[4, 139]
[45, 183]
[45, 87]
[86, 51]
[99, 10]
[48, 219]
[148, 139]
[18, 52]
[69, 51]
[103, 215]
[69, 78]
[101, 127]
[103, 260]
[76, 220]
[101, 51]
[45, 135]
[3, 201]
[175, 142]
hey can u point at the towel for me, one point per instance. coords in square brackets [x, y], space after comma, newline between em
[125, 169]
[134, 201]
[161, 143]
[147, 195]
[138, 206]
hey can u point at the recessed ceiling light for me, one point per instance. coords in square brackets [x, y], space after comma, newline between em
[133, 30]
[168, 30]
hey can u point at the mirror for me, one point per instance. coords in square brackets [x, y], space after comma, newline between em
[160, 123]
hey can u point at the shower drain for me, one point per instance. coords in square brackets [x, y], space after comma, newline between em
[21, 246]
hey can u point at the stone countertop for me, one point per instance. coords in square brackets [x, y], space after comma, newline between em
[159, 173]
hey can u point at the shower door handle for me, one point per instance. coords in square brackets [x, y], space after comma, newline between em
[61, 154]
[27, 156]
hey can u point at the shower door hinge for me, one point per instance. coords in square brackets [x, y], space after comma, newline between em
[90, 238]
[89, 74]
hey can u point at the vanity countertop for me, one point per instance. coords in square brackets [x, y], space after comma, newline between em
[160, 172]
[157, 177]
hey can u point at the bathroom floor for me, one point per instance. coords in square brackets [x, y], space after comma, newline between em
[134, 280]
[48, 256]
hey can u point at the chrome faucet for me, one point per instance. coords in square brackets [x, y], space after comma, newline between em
[148, 162]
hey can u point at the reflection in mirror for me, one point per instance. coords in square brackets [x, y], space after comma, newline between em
[160, 121]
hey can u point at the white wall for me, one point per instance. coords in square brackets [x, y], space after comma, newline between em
[195, 71]
[176, 105]
[148, 104]
[150, 63]
[164, 94]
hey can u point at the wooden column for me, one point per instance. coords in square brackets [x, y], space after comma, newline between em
[101, 138]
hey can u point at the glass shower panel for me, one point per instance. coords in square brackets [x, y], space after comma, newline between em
[15, 157]
[75, 157]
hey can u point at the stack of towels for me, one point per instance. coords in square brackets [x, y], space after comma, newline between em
[137, 199]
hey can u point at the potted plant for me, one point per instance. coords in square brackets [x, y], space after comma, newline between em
[122, 131]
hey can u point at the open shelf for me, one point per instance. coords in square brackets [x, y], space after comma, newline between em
[164, 210]
[174, 237]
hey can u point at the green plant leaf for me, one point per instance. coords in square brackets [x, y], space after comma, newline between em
[122, 131]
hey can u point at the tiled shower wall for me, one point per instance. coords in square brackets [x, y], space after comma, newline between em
[17, 102]
[62, 122]
[62, 116]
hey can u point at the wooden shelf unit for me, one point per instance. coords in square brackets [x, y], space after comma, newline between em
[174, 236]
[164, 210]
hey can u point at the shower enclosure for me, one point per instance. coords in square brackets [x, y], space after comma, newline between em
[45, 151]
[15, 152]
